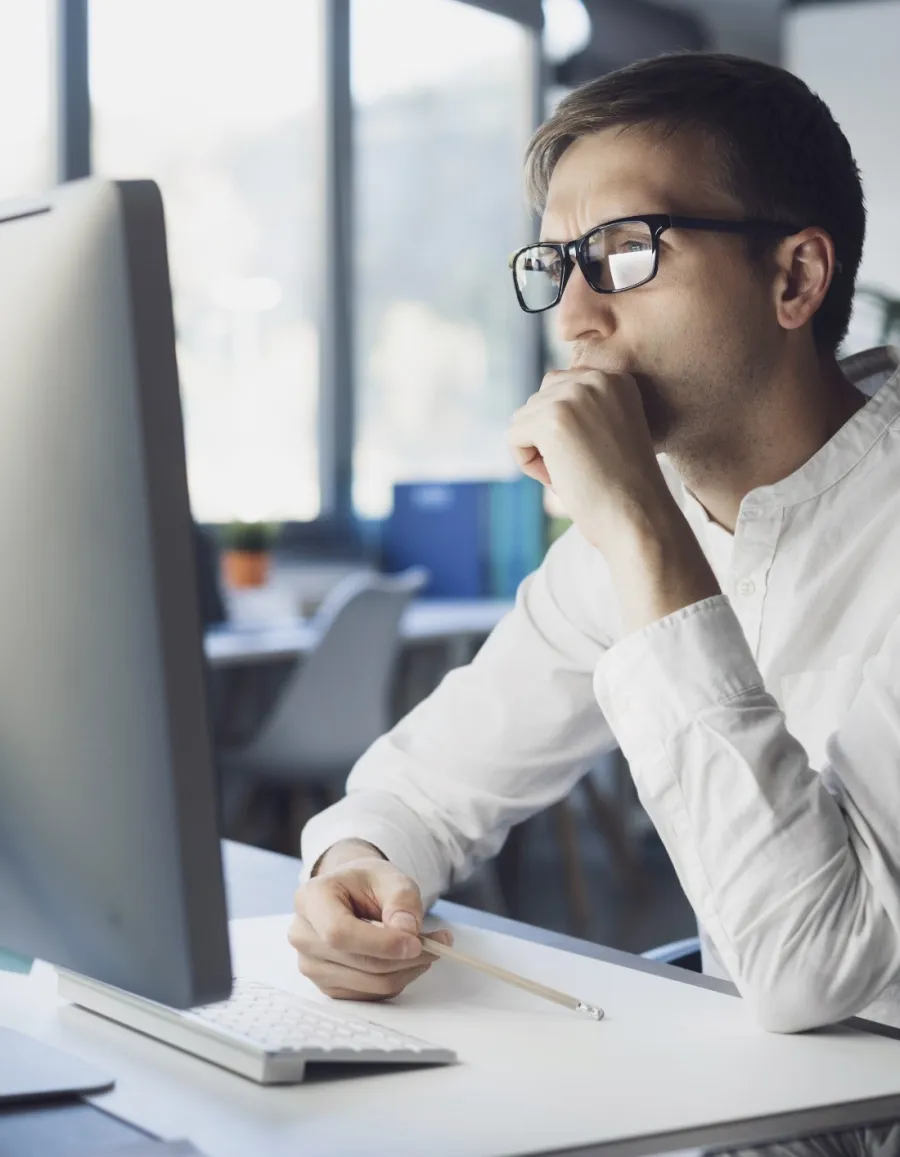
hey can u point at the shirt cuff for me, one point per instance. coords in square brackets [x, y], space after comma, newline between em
[656, 680]
[373, 821]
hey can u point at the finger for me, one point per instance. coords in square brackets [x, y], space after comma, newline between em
[537, 470]
[399, 902]
[554, 378]
[304, 939]
[526, 455]
[442, 935]
[350, 984]
[374, 964]
[330, 910]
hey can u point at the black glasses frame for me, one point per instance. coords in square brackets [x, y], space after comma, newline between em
[572, 252]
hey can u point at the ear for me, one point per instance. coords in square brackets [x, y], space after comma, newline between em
[806, 265]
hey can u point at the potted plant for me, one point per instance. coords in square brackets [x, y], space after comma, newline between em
[246, 550]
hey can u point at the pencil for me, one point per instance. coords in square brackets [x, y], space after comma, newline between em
[435, 948]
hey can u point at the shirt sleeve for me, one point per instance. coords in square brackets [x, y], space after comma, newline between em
[795, 875]
[499, 740]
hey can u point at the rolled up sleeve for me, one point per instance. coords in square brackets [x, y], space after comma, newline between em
[793, 874]
[499, 740]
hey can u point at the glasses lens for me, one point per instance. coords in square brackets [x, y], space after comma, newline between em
[618, 256]
[538, 271]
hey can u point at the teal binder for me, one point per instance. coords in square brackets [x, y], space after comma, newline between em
[10, 962]
[517, 534]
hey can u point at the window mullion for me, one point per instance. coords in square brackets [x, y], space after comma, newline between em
[73, 101]
[336, 394]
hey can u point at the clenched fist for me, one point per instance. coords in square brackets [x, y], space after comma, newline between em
[339, 948]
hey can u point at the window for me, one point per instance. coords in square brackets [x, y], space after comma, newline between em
[218, 104]
[442, 108]
[846, 53]
[26, 71]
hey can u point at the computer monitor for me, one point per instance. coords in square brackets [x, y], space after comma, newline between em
[110, 862]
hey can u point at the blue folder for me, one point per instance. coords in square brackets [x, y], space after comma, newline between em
[478, 539]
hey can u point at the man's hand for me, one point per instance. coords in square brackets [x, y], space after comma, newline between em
[339, 950]
[584, 434]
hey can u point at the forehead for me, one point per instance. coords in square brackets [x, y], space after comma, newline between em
[615, 174]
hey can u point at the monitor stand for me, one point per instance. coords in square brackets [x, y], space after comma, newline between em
[33, 1071]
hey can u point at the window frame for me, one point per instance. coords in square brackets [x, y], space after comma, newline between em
[335, 532]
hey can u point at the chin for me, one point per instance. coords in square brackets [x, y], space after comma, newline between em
[661, 418]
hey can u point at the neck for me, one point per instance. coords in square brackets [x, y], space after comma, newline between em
[787, 422]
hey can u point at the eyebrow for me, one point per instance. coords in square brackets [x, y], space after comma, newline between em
[599, 224]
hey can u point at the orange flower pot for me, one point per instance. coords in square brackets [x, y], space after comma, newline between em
[245, 568]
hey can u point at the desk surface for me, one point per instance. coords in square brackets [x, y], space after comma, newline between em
[261, 884]
[424, 621]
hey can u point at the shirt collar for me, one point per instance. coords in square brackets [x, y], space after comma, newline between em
[876, 372]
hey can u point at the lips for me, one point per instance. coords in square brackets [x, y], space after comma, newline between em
[604, 367]
[584, 357]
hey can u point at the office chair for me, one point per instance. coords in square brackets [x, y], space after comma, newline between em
[683, 953]
[333, 706]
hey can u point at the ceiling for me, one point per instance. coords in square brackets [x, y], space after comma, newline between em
[626, 30]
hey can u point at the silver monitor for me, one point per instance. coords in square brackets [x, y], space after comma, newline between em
[110, 861]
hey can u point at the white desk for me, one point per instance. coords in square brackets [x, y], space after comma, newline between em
[458, 624]
[174, 1094]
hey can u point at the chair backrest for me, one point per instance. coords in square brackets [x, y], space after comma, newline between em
[337, 702]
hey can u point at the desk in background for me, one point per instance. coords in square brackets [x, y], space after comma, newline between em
[458, 625]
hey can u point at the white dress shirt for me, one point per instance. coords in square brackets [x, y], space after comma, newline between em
[761, 726]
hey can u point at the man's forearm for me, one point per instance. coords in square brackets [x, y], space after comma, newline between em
[658, 570]
[343, 852]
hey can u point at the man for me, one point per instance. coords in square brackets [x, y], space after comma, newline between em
[735, 628]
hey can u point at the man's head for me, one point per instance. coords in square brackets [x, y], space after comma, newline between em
[704, 136]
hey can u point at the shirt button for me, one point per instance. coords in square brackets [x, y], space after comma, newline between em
[746, 587]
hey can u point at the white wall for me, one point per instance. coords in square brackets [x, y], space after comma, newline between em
[850, 55]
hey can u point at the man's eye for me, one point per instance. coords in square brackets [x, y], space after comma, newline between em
[632, 245]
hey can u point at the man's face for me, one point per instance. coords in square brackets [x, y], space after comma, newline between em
[701, 338]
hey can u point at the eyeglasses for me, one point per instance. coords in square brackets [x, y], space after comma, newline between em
[619, 255]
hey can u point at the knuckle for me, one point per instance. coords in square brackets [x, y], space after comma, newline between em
[308, 894]
[295, 935]
[341, 939]
[308, 966]
[560, 414]
[373, 965]
[406, 894]
[333, 933]
[387, 984]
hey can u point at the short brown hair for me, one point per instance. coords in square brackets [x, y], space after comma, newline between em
[780, 152]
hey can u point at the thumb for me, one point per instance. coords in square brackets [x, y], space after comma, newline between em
[401, 905]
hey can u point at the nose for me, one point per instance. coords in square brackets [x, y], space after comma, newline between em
[581, 310]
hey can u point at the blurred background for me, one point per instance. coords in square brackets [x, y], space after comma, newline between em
[342, 186]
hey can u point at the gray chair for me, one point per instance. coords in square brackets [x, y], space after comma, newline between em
[333, 706]
[684, 953]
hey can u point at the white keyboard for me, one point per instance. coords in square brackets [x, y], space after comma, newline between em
[261, 1032]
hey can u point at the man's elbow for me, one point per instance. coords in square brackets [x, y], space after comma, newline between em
[786, 1013]
[801, 1001]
